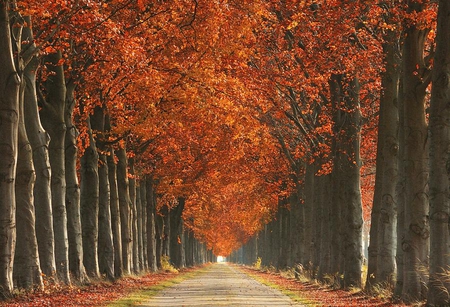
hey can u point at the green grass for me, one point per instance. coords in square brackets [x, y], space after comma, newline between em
[142, 295]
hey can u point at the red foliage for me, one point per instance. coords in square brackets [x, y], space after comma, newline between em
[95, 294]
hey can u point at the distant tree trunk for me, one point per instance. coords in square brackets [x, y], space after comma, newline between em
[159, 233]
[143, 193]
[89, 205]
[388, 156]
[439, 284]
[9, 125]
[73, 191]
[52, 115]
[165, 234]
[39, 140]
[115, 214]
[125, 209]
[177, 244]
[105, 236]
[140, 231]
[309, 219]
[134, 219]
[151, 235]
[27, 271]
[416, 241]
[325, 229]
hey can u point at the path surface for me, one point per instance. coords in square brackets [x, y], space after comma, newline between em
[220, 285]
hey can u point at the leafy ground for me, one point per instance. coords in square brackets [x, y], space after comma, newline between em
[96, 294]
[316, 294]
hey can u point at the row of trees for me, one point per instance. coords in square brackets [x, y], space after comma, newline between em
[224, 112]
[409, 218]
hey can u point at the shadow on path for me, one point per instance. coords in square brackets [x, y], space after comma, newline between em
[220, 285]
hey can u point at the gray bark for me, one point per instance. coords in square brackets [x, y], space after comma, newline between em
[151, 232]
[439, 284]
[415, 244]
[144, 222]
[52, 115]
[105, 235]
[140, 230]
[125, 209]
[134, 218]
[115, 214]
[72, 196]
[39, 140]
[388, 144]
[27, 271]
[89, 205]
[9, 121]
[177, 244]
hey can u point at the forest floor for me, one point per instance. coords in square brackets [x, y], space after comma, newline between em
[131, 291]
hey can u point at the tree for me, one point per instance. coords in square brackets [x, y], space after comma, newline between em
[438, 285]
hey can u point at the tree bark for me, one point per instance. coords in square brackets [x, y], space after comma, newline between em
[151, 235]
[52, 115]
[388, 144]
[125, 209]
[115, 214]
[39, 140]
[177, 244]
[134, 218]
[439, 284]
[27, 271]
[9, 124]
[89, 205]
[73, 191]
[415, 244]
[143, 193]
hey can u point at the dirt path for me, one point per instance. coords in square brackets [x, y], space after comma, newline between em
[221, 285]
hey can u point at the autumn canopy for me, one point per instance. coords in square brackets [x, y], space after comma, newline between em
[136, 132]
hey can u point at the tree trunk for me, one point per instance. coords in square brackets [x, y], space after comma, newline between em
[151, 235]
[348, 144]
[134, 219]
[326, 231]
[27, 271]
[177, 244]
[73, 192]
[52, 115]
[140, 232]
[125, 209]
[9, 120]
[143, 193]
[439, 284]
[415, 244]
[388, 144]
[39, 140]
[115, 214]
[89, 205]
[105, 236]
[309, 219]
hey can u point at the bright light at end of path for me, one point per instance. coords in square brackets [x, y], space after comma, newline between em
[220, 259]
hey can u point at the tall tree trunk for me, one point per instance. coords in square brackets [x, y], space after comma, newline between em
[151, 232]
[325, 227]
[125, 209]
[177, 244]
[39, 140]
[134, 219]
[52, 115]
[388, 144]
[89, 205]
[349, 164]
[308, 211]
[105, 236]
[9, 124]
[416, 241]
[140, 231]
[439, 284]
[115, 214]
[143, 193]
[73, 191]
[27, 271]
